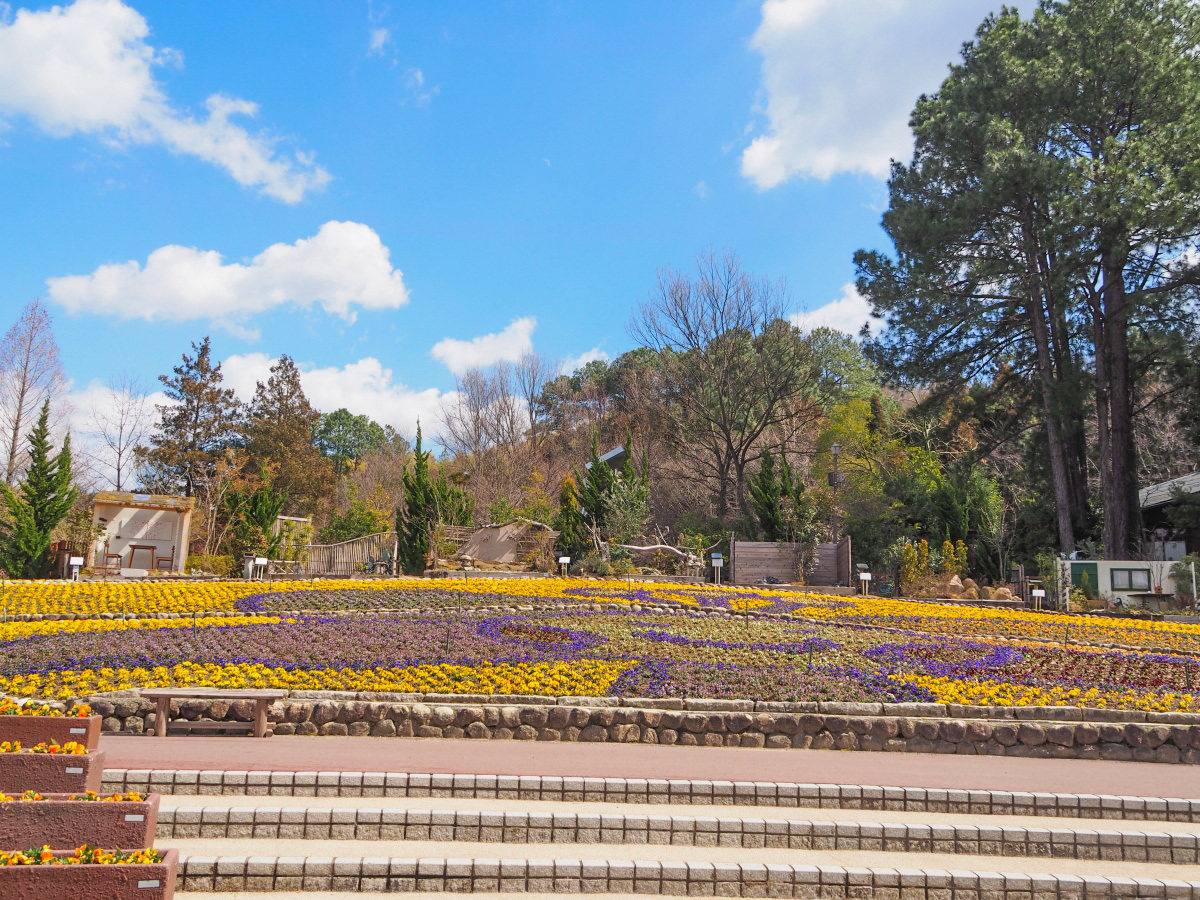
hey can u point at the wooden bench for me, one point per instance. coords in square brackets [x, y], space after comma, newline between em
[164, 696]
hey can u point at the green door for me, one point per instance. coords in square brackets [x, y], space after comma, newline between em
[1086, 577]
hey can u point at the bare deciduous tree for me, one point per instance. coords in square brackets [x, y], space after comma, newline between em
[119, 420]
[30, 373]
[492, 427]
[738, 375]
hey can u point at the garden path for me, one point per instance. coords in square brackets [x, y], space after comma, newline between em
[358, 754]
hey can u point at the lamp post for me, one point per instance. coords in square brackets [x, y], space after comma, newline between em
[835, 479]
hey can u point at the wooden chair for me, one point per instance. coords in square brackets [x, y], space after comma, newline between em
[112, 561]
[169, 560]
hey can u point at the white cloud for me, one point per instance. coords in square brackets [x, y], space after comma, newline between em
[345, 265]
[575, 363]
[508, 345]
[418, 92]
[847, 313]
[103, 416]
[379, 41]
[701, 190]
[364, 387]
[841, 77]
[87, 68]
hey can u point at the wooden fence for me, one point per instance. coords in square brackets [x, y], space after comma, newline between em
[373, 554]
[752, 561]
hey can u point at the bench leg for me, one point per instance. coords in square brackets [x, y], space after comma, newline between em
[260, 718]
[160, 716]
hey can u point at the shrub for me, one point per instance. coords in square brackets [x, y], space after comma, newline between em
[211, 564]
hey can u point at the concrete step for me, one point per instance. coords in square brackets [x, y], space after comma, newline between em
[218, 804]
[651, 791]
[344, 833]
[260, 865]
[498, 827]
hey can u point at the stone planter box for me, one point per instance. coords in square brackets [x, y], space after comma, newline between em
[50, 773]
[30, 730]
[149, 881]
[68, 823]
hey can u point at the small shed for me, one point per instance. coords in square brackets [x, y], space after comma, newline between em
[142, 531]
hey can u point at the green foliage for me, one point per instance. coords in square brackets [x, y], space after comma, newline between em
[211, 564]
[254, 515]
[416, 521]
[572, 539]
[346, 438]
[199, 423]
[42, 500]
[594, 484]
[1181, 574]
[626, 509]
[785, 512]
[359, 519]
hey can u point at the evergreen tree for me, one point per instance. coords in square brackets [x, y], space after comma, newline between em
[594, 486]
[415, 522]
[279, 439]
[568, 522]
[197, 426]
[766, 497]
[44, 498]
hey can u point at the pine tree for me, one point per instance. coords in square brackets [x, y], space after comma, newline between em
[280, 439]
[197, 425]
[415, 522]
[44, 498]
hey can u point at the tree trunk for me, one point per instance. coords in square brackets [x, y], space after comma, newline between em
[1125, 514]
[1059, 475]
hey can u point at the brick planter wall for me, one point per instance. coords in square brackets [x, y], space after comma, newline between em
[30, 730]
[49, 773]
[68, 823]
[125, 882]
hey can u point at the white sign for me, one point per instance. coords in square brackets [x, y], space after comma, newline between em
[718, 562]
[563, 560]
[261, 561]
[864, 576]
[1038, 593]
[75, 561]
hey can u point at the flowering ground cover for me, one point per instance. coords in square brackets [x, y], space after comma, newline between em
[547, 637]
[820, 650]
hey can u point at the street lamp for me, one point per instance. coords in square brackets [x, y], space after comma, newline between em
[835, 479]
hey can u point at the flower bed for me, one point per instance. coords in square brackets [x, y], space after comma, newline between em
[566, 637]
[65, 769]
[64, 820]
[38, 874]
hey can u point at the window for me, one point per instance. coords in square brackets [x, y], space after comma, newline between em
[1131, 579]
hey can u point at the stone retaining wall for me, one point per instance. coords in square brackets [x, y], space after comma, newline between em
[909, 728]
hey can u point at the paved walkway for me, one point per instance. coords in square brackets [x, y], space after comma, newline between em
[357, 754]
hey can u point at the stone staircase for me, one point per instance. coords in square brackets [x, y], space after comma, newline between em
[314, 833]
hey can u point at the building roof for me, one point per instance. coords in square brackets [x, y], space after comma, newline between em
[1160, 494]
[145, 501]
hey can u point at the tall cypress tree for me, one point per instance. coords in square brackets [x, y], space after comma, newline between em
[415, 522]
[42, 500]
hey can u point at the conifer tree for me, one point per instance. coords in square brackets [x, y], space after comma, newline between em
[415, 522]
[42, 500]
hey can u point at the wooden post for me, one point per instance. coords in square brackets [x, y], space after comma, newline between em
[260, 717]
[162, 711]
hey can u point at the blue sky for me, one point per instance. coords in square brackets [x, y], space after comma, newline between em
[389, 193]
